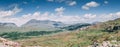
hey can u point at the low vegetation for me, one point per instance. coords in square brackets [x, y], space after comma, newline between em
[21, 35]
[72, 39]
[75, 26]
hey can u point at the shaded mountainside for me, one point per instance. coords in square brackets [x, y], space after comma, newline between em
[7, 25]
[75, 26]
[43, 24]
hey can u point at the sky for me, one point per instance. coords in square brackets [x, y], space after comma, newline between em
[66, 11]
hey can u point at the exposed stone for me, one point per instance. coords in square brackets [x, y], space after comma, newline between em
[106, 44]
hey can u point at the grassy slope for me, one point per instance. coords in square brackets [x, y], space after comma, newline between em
[76, 38]
[71, 39]
[2, 30]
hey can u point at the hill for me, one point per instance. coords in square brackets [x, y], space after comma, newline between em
[43, 24]
[32, 25]
[6, 27]
[79, 38]
[36, 25]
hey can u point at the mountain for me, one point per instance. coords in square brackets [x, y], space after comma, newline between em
[8, 25]
[42, 24]
[76, 26]
[32, 25]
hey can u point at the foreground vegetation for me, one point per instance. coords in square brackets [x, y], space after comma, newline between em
[71, 39]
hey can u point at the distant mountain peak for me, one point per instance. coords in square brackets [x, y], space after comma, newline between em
[8, 25]
[42, 23]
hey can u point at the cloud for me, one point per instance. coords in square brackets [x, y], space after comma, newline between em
[10, 12]
[69, 2]
[56, 1]
[106, 2]
[21, 20]
[60, 1]
[25, 2]
[118, 13]
[60, 10]
[88, 5]
[50, 0]
[87, 18]
[72, 3]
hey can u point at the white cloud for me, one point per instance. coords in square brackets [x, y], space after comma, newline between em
[89, 16]
[25, 2]
[10, 12]
[56, 1]
[88, 5]
[21, 20]
[69, 2]
[72, 3]
[60, 11]
[50, 0]
[118, 13]
[106, 2]
[60, 1]
[85, 7]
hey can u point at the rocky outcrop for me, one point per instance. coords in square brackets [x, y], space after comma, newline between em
[113, 28]
[112, 43]
[8, 43]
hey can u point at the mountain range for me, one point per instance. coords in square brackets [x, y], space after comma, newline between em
[32, 25]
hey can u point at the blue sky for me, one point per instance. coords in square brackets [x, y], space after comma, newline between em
[57, 10]
[30, 6]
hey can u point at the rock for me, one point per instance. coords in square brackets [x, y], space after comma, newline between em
[1, 45]
[106, 44]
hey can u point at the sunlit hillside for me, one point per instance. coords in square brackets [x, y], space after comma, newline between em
[77, 38]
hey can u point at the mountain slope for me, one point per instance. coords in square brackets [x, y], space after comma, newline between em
[42, 25]
[109, 26]
[5, 27]
[78, 38]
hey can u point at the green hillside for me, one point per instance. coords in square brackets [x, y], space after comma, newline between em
[106, 31]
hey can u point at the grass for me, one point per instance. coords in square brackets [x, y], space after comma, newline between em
[71, 39]
[20, 35]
